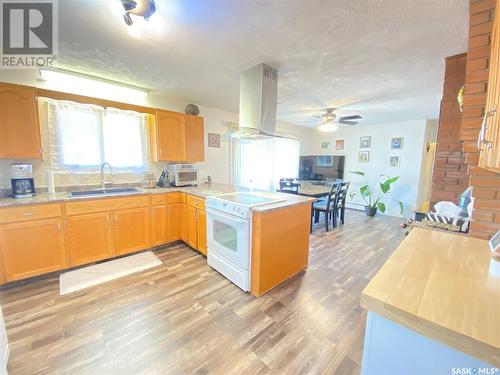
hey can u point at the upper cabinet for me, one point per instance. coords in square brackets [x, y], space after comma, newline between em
[177, 137]
[19, 128]
[195, 139]
[489, 137]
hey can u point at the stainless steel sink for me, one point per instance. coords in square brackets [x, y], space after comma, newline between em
[109, 191]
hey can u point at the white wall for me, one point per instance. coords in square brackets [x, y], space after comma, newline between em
[217, 160]
[406, 189]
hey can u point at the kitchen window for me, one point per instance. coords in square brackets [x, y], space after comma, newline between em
[83, 136]
[260, 163]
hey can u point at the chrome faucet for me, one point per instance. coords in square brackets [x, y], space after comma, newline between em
[102, 173]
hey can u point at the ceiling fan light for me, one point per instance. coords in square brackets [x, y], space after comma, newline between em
[328, 127]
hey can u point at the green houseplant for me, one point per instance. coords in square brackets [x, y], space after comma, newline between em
[373, 197]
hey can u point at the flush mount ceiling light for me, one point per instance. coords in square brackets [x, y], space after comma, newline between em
[90, 86]
[140, 8]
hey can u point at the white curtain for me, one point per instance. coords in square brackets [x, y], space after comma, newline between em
[260, 163]
[83, 136]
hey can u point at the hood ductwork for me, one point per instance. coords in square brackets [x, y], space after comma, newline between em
[258, 102]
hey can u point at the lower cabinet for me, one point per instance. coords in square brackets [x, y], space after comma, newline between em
[131, 230]
[202, 232]
[32, 248]
[89, 238]
[192, 226]
[176, 221]
[158, 225]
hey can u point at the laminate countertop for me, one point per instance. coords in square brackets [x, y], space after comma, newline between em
[202, 190]
[439, 285]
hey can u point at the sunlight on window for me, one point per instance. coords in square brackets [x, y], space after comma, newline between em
[80, 137]
[123, 139]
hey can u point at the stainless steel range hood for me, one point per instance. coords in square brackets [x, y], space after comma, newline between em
[258, 102]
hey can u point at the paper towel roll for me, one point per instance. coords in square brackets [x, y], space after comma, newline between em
[50, 181]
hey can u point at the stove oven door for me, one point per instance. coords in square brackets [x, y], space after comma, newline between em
[229, 236]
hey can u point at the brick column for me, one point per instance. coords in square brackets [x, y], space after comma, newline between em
[486, 185]
[449, 178]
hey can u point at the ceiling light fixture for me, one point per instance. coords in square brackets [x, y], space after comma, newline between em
[90, 86]
[328, 127]
[140, 8]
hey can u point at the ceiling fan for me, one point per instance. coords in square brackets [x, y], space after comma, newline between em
[329, 120]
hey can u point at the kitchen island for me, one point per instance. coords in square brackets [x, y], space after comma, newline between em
[433, 308]
[53, 232]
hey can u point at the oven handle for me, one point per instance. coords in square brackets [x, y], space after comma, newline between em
[227, 216]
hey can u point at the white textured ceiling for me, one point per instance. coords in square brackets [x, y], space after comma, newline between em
[383, 59]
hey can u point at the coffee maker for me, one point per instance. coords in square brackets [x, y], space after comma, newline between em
[21, 179]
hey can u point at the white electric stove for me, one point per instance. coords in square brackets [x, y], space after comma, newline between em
[229, 233]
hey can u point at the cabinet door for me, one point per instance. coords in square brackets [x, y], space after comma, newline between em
[89, 237]
[202, 232]
[32, 248]
[192, 226]
[176, 218]
[158, 225]
[19, 129]
[131, 230]
[170, 136]
[490, 132]
[195, 138]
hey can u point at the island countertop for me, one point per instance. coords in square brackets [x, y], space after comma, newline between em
[438, 284]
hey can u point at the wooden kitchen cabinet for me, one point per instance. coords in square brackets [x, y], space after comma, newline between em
[489, 137]
[192, 226]
[202, 232]
[131, 229]
[176, 221]
[32, 248]
[195, 139]
[170, 136]
[158, 225]
[19, 126]
[89, 237]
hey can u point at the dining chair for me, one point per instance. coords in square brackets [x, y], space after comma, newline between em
[340, 209]
[328, 207]
[289, 185]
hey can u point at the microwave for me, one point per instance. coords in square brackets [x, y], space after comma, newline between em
[183, 174]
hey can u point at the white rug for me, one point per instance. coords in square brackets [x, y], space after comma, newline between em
[82, 278]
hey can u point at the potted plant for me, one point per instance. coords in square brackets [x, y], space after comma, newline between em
[372, 197]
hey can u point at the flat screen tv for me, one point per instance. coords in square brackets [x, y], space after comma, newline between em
[321, 167]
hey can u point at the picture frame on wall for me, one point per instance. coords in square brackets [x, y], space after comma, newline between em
[365, 142]
[397, 143]
[394, 161]
[363, 156]
[213, 140]
[325, 145]
[339, 145]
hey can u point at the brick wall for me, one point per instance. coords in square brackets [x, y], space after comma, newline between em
[450, 177]
[486, 185]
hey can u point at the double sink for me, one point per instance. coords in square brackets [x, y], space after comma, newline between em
[103, 192]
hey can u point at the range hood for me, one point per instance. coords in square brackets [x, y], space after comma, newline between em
[258, 102]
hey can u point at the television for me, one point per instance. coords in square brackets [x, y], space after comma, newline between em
[321, 167]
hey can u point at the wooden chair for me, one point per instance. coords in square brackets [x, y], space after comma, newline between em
[329, 207]
[344, 187]
[289, 185]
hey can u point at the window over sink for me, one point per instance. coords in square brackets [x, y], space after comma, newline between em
[83, 136]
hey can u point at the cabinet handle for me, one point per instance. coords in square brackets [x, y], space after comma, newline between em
[480, 139]
[59, 227]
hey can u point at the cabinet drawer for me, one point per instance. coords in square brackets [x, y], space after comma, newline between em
[34, 212]
[176, 197]
[158, 199]
[195, 201]
[88, 207]
[131, 202]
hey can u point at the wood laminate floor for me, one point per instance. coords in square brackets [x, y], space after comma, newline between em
[183, 317]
